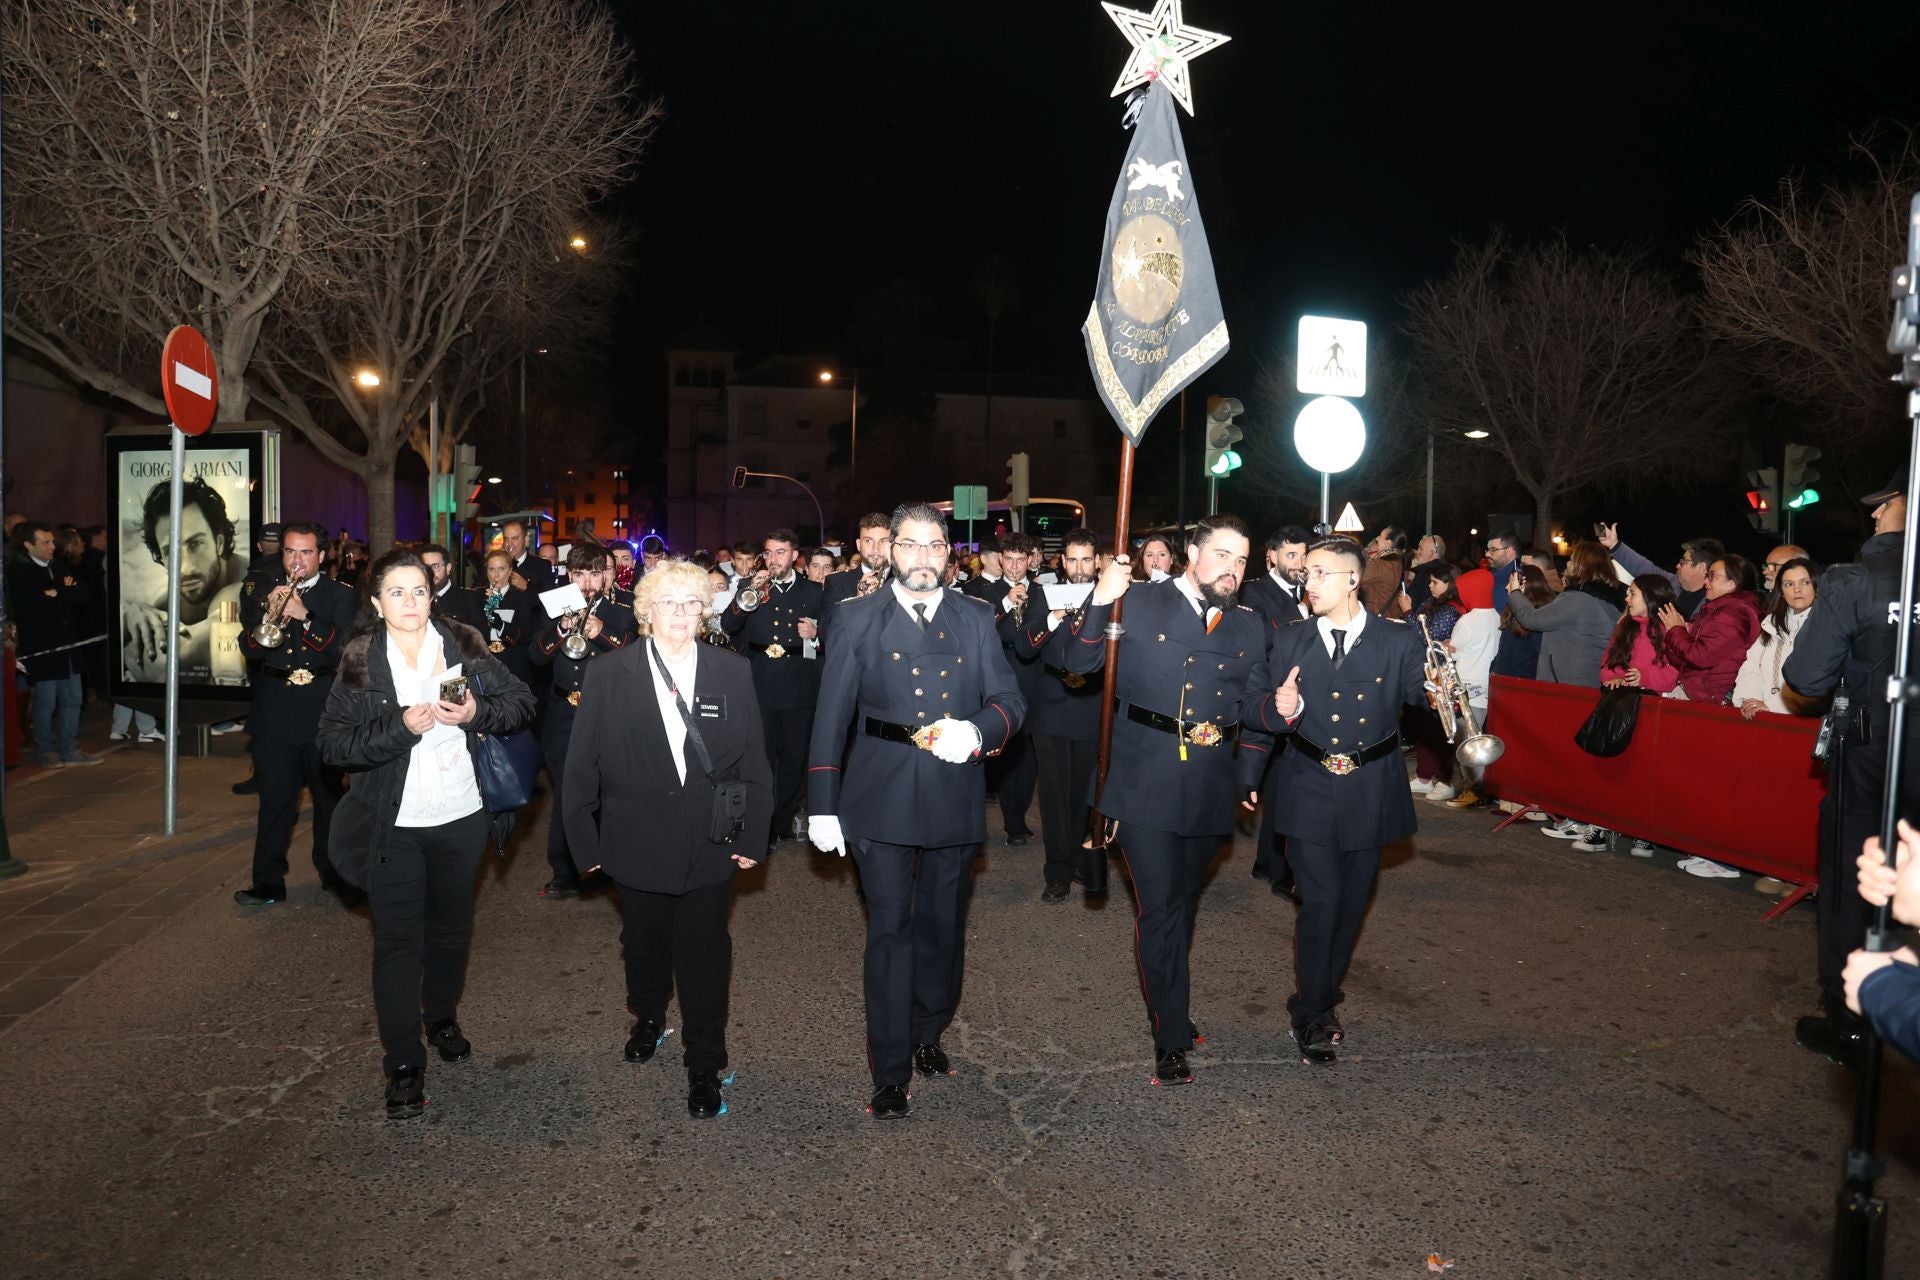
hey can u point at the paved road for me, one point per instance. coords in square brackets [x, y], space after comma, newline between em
[1559, 1064]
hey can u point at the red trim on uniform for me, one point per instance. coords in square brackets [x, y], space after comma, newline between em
[818, 767]
[1251, 746]
[1008, 719]
[319, 644]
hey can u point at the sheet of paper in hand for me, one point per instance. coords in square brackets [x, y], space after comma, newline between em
[563, 600]
[1067, 595]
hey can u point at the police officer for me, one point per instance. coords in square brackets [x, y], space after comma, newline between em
[600, 628]
[1340, 790]
[918, 674]
[785, 680]
[1846, 650]
[290, 684]
[1063, 718]
[1179, 757]
[1280, 595]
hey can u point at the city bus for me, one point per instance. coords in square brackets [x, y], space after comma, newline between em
[1049, 520]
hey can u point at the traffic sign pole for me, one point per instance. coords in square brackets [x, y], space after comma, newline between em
[189, 383]
[173, 625]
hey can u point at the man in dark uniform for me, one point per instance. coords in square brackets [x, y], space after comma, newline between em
[290, 686]
[785, 681]
[872, 542]
[601, 628]
[530, 573]
[1279, 595]
[919, 675]
[1340, 789]
[459, 604]
[1063, 717]
[1013, 776]
[1188, 659]
[1846, 649]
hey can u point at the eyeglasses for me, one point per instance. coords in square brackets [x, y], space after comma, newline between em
[1322, 575]
[935, 549]
[679, 607]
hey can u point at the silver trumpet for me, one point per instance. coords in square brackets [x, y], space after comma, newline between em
[1475, 750]
[753, 595]
[270, 634]
[575, 645]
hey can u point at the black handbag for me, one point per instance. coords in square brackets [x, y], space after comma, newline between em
[506, 766]
[1609, 726]
[728, 817]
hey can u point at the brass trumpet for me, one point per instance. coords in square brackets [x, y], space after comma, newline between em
[270, 634]
[1475, 750]
[575, 645]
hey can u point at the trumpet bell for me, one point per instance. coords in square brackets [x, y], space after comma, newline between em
[574, 646]
[269, 635]
[748, 600]
[1480, 750]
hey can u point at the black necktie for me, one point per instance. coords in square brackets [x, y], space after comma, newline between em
[1339, 647]
[920, 615]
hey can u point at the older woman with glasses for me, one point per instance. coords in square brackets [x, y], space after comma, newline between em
[668, 790]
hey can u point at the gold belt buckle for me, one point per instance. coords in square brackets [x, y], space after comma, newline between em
[573, 698]
[299, 675]
[927, 734]
[1204, 734]
[776, 650]
[496, 647]
[1073, 680]
[1339, 766]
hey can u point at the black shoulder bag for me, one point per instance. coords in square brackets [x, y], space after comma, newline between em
[1609, 727]
[729, 816]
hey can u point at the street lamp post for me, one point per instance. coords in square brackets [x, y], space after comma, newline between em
[853, 429]
[1475, 434]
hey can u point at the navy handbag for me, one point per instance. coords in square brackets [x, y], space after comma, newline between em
[506, 766]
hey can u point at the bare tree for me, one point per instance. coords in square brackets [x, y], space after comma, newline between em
[170, 161]
[529, 122]
[1584, 366]
[1798, 286]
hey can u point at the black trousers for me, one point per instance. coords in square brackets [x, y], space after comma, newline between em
[1270, 850]
[1018, 772]
[559, 732]
[916, 948]
[284, 769]
[681, 939]
[1166, 869]
[422, 898]
[1849, 813]
[1066, 787]
[788, 735]
[1334, 887]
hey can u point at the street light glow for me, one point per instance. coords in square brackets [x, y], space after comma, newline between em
[367, 378]
[1477, 434]
[493, 479]
[826, 375]
[577, 243]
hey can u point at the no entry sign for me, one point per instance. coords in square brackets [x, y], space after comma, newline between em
[188, 380]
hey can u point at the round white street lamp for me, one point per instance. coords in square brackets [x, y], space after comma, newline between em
[1329, 435]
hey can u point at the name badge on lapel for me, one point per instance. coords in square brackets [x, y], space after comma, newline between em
[710, 706]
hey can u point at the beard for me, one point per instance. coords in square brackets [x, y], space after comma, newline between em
[918, 576]
[1076, 578]
[1298, 577]
[1218, 596]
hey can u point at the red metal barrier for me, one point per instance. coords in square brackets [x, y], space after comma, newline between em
[1696, 777]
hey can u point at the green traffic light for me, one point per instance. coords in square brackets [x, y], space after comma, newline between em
[1227, 463]
[1805, 498]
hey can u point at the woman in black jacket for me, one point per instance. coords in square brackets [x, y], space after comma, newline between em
[412, 828]
[663, 724]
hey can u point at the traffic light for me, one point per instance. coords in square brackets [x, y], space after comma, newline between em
[1222, 458]
[1764, 499]
[739, 477]
[466, 481]
[1799, 477]
[1018, 492]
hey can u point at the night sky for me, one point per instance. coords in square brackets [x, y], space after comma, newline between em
[812, 153]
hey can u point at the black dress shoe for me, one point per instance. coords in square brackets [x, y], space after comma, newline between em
[1170, 1067]
[703, 1095]
[891, 1102]
[1262, 872]
[406, 1094]
[1291, 892]
[445, 1036]
[1839, 1038]
[1316, 1043]
[1055, 892]
[931, 1060]
[247, 787]
[557, 888]
[261, 895]
[644, 1040]
[1019, 841]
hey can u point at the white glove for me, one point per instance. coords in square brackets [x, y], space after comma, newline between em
[824, 831]
[956, 742]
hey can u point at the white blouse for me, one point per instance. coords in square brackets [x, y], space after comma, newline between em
[682, 670]
[440, 784]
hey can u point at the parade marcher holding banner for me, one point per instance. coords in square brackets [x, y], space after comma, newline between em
[918, 674]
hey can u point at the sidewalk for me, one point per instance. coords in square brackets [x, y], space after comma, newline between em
[100, 874]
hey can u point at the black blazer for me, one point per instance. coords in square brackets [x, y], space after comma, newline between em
[514, 635]
[626, 809]
[464, 606]
[48, 613]
[1265, 597]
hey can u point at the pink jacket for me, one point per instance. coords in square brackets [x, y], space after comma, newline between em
[1713, 644]
[1657, 675]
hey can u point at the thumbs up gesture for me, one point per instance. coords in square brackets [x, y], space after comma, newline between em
[1286, 699]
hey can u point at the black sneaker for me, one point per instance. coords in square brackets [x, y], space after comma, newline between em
[445, 1036]
[261, 895]
[406, 1094]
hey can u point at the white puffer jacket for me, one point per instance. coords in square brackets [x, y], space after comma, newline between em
[1760, 674]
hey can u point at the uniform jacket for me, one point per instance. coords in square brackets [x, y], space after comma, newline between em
[1710, 648]
[1574, 628]
[540, 575]
[1171, 664]
[463, 606]
[840, 586]
[47, 621]
[618, 629]
[514, 635]
[285, 709]
[1264, 596]
[626, 809]
[1062, 703]
[881, 665]
[789, 681]
[1350, 709]
[1027, 671]
[361, 731]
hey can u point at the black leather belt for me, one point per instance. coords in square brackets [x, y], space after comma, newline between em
[1071, 679]
[888, 730]
[774, 650]
[1201, 733]
[1342, 763]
